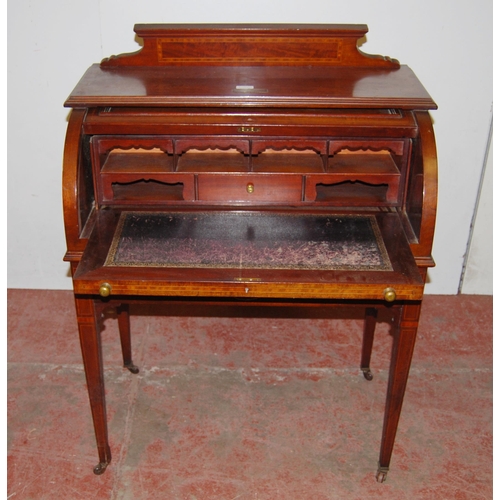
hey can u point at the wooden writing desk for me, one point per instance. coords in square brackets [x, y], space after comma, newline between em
[259, 164]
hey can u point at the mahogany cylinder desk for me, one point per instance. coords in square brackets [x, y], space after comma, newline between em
[261, 164]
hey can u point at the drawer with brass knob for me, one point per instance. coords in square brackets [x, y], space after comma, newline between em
[259, 187]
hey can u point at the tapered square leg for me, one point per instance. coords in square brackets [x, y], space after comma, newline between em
[125, 339]
[368, 334]
[402, 351]
[90, 341]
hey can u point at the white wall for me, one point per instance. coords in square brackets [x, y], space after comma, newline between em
[478, 273]
[448, 43]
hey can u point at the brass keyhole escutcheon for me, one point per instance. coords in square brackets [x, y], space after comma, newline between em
[249, 130]
[105, 290]
[390, 294]
[250, 188]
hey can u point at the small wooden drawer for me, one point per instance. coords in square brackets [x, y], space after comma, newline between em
[248, 188]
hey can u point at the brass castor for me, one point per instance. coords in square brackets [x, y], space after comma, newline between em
[367, 373]
[100, 468]
[382, 474]
[131, 367]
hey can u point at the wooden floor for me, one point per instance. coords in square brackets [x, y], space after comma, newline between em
[267, 406]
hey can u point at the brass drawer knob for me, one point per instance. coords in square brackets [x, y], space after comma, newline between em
[390, 294]
[105, 290]
[250, 188]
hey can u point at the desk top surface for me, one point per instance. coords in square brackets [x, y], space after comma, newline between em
[279, 86]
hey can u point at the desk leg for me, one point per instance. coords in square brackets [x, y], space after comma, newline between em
[124, 328]
[368, 334]
[90, 342]
[402, 351]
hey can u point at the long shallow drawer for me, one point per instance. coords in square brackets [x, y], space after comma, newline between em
[248, 188]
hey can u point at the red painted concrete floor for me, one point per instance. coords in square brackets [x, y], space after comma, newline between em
[248, 408]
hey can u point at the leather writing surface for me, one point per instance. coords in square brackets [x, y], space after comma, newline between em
[259, 241]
